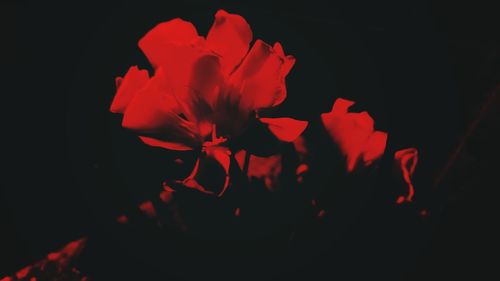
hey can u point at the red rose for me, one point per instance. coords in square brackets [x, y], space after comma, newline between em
[354, 134]
[204, 90]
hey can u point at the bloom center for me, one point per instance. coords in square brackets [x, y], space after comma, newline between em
[215, 140]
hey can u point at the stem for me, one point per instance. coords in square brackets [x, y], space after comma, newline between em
[246, 163]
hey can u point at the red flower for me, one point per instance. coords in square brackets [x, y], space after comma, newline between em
[354, 134]
[204, 90]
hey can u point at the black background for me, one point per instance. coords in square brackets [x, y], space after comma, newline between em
[423, 70]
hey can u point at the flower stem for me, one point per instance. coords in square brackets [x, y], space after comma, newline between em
[246, 163]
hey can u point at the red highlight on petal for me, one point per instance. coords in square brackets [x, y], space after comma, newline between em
[53, 256]
[23, 272]
[229, 37]
[127, 88]
[285, 129]
[166, 196]
[301, 169]
[123, 219]
[148, 209]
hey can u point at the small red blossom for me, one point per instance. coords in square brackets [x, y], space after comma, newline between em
[354, 134]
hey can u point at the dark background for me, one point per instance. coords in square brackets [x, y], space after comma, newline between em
[425, 71]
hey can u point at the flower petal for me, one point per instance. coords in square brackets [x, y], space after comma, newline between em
[259, 82]
[407, 162]
[211, 172]
[176, 47]
[148, 208]
[229, 37]
[354, 134]
[268, 169]
[174, 32]
[154, 111]
[288, 61]
[301, 148]
[285, 129]
[375, 147]
[165, 144]
[198, 99]
[127, 88]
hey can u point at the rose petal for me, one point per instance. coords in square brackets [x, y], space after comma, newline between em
[154, 110]
[229, 37]
[127, 88]
[74, 248]
[176, 47]
[285, 129]
[174, 32]
[354, 134]
[259, 82]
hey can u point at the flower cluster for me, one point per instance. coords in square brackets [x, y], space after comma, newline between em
[207, 92]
